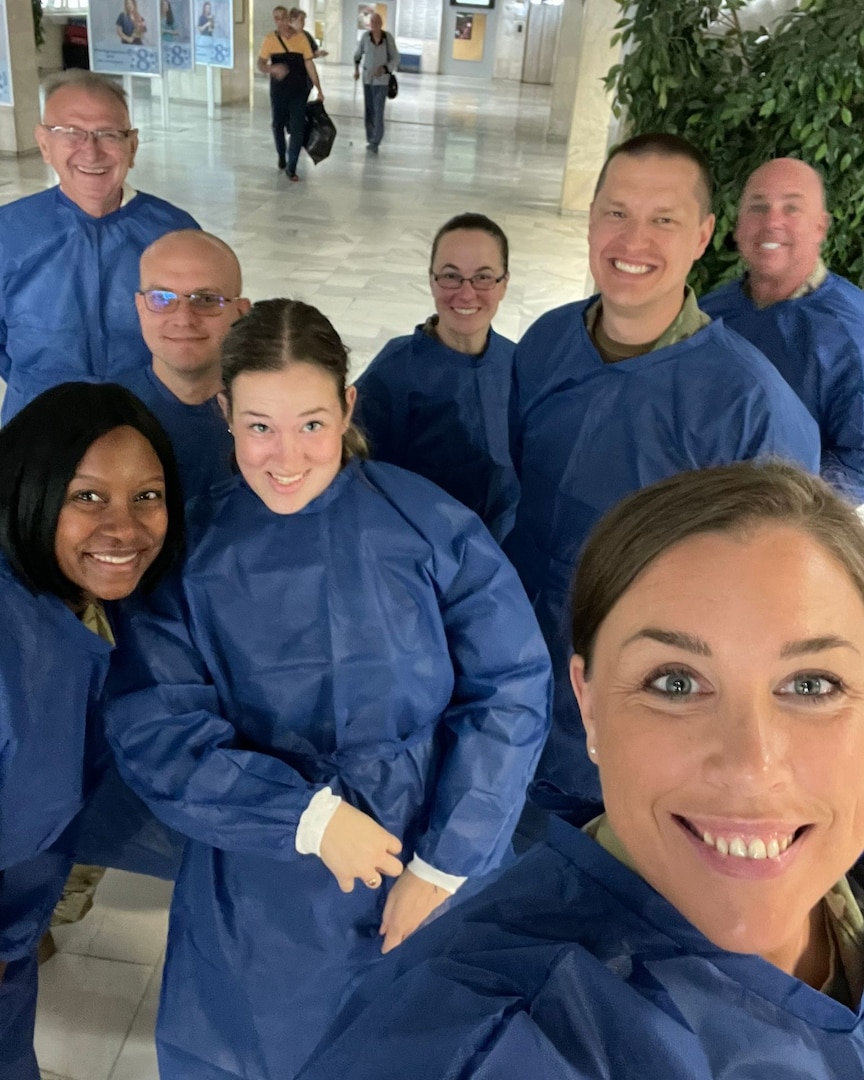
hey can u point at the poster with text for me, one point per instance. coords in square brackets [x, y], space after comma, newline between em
[175, 23]
[5, 67]
[124, 37]
[213, 22]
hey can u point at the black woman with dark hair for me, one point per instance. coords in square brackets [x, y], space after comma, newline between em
[90, 508]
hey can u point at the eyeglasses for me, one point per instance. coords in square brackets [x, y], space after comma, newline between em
[479, 282]
[163, 301]
[74, 136]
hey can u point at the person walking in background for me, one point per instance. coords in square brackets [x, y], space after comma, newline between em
[287, 58]
[380, 58]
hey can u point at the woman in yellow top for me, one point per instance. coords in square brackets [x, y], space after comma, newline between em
[286, 57]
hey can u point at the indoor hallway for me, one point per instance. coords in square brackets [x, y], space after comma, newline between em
[353, 238]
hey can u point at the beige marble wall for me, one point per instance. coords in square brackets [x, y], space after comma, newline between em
[592, 108]
[18, 121]
[566, 75]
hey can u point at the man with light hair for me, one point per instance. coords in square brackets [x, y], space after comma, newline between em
[189, 295]
[69, 255]
[806, 320]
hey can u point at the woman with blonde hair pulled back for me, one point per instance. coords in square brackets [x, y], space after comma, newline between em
[347, 686]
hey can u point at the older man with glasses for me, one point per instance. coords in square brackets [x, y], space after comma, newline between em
[69, 255]
[189, 297]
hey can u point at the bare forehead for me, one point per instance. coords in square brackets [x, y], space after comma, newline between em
[786, 179]
[651, 176]
[190, 256]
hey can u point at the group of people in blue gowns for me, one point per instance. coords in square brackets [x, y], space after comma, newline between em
[336, 702]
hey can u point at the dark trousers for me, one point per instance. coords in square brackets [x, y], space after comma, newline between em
[288, 109]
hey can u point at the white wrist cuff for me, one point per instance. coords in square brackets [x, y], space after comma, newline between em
[314, 820]
[449, 882]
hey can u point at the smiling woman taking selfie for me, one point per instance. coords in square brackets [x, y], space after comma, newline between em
[348, 680]
[707, 924]
[90, 507]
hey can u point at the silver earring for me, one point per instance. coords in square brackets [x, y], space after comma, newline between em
[592, 750]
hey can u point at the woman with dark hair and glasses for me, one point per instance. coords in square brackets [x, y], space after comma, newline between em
[436, 402]
[90, 508]
[708, 922]
[348, 676]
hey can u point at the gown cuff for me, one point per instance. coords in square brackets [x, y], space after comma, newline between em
[422, 870]
[314, 820]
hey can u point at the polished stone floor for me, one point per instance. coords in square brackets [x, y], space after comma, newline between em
[352, 238]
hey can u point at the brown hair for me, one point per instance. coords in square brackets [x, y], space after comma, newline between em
[475, 223]
[731, 499]
[277, 333]
[663, 144]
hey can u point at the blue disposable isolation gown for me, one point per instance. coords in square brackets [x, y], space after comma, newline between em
[51, 673]
[584, 434]
[817, 344]
[67, 290]
[376, 641]
[199, 434]
[443, 414]
[571, 967]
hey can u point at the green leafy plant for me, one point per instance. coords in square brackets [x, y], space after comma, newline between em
[746, 96]
[38, 32]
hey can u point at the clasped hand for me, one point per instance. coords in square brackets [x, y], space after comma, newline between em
[355, 846]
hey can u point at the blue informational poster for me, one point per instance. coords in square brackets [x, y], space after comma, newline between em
[175, 23]
[5, 69]
[214, 32]
[125, 37]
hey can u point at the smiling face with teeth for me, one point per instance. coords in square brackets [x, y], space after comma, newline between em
[465, 314]
[782, 223]
[646, 228]
[92, 175]
[288, 427]
[726, 705]
[113, 523]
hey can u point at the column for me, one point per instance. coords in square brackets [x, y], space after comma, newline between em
[18, 121]
[592, 106]
[566, 76]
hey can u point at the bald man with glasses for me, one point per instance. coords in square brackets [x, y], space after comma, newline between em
[69, 255]
[188, 299]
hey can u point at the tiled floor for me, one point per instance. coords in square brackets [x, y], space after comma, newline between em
[353, 239]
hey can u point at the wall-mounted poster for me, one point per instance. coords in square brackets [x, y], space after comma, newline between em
[175, 18]
[469, 35]
[124, 37]
[5, 69]
[463, 27]
[213, 21]
[365, 13]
